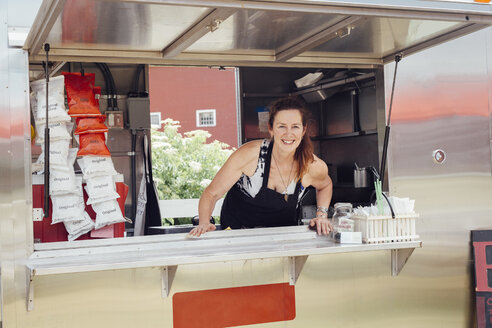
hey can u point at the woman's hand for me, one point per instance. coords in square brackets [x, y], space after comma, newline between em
[323, 225]
[201, 229]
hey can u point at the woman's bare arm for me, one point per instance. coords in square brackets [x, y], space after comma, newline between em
[318, 178]
[237, 164]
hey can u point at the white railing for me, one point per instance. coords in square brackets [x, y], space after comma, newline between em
[184, 208]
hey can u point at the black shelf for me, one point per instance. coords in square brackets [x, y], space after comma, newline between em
[346, 135]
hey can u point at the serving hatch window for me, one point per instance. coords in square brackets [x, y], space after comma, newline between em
[189, 145]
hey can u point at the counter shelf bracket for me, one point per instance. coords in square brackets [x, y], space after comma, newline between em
[398, 259]
[296, 263]
[167, 275]
[30, 290]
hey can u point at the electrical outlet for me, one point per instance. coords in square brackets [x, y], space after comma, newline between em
[114, 119]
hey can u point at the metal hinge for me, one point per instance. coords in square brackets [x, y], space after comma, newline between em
[37, 214]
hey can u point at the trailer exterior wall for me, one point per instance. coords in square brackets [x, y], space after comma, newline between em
[15, 191]
[442, 101]
[343, 290]
[346, 290]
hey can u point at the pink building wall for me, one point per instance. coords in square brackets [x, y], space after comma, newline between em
[178, 92]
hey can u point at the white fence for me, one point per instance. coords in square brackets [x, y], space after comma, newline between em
[184, 208]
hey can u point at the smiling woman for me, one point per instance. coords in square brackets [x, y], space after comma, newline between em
[265, 179]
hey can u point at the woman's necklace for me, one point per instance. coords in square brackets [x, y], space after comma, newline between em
[286, 196]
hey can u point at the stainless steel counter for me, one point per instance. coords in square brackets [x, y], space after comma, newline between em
[169, 251]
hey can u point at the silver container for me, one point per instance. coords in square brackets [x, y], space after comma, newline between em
[362, 177]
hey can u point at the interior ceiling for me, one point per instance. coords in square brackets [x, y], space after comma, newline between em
[244, 33]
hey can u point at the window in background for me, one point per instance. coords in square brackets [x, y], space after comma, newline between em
[205, 117]
[155, 120]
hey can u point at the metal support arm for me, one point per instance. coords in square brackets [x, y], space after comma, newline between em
[30, 290]
[296, 263]
[167, 275]
[399, 258]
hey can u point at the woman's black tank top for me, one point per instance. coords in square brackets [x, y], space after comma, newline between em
[250, 204]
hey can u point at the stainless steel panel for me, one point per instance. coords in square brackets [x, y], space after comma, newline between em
[434, 289]
[15, 191]
[410, 8]
[260, 30]
[132, 298]
[138, 31]
[442, 101]
[452, 96]
[326, 282]
[116, 25]
[5, 201]
[378, 37]
[370, 38]
[489, 83]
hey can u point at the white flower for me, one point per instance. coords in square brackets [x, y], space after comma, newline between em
[170, 151]
[158, 144]
[205, 182]
[159, 137]
[169, 121]
[195, 166]
[198, 133]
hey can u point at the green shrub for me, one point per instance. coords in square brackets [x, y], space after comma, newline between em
[183, 166]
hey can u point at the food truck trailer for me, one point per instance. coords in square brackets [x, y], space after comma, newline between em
[439, 154]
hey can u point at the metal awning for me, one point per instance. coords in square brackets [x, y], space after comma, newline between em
[307, 33]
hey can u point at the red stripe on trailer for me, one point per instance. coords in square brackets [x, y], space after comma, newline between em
[229, 307]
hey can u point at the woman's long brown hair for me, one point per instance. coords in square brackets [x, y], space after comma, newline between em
[304, 153]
